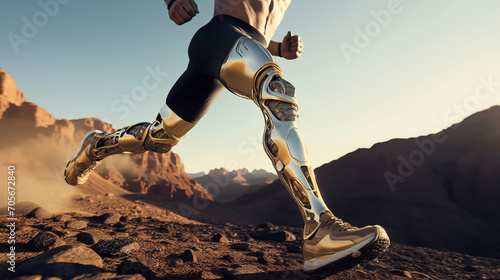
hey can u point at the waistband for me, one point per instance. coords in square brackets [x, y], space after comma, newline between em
[244, 26]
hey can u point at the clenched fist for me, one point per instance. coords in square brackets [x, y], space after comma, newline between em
[182, 11]
[292, 46]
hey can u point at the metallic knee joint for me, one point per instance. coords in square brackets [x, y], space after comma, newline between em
[159, 136]
[250, 71]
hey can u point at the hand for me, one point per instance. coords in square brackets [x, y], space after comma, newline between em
[182, 11]
[292, 46]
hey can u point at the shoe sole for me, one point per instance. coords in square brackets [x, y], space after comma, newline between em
[359, 254]
[79, 151]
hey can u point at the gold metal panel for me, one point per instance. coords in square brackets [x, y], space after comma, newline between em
[176, 127]
[242, 66]
[173, 125]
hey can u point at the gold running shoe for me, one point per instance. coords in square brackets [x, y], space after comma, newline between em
[337, 245]
[83, 162]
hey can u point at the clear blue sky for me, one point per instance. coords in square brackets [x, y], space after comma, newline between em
[370, 71]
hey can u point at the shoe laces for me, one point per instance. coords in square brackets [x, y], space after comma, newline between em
[338, 224]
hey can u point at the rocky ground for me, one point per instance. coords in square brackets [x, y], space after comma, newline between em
[110, 237]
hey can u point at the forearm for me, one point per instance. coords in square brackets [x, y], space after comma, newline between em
[273, 48]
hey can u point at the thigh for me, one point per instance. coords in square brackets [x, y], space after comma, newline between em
[193, 94]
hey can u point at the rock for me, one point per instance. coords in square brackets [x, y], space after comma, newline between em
[109, 218]
[228, 258]
[470, 268]
[27, 227]
[75, 224]
[152, 263]
[175, 263]
[247, 237]
[165, 228]
[119, 225]
[241, 246]
[294, 248]
[120, 235]
[130, 267]
[233, 266]
[39, 213]
[92, 236]
[184, 237]
[109, 276]
[263, 260]
[58, 230]
[65, 262]
[267, 225]
[220, 238]
[45, 241]
[273, 235]
[256, 254]
[115, 247]
[242, 270]
[401, 273]
[140, 235]
[189, 256]
[407, 274]
[195, 248]
[63, 218]
[208, 275]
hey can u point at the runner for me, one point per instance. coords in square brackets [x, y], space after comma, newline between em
[235, 51]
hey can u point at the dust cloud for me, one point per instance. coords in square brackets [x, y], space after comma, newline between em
[39, 165]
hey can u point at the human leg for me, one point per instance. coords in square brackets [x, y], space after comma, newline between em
[250, 72]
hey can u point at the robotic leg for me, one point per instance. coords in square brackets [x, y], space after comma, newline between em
[249, 71]
[159, 136]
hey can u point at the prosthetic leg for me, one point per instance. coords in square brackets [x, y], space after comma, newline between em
[159, 136]
[250, 71]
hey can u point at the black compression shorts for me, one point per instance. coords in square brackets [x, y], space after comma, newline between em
[196, 89]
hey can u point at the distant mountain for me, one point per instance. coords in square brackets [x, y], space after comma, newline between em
[9, 93]
[440, 190]
[196, 175]
[226, 185]
[41, 145]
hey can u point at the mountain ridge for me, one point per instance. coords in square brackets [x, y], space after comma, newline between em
[446, 201]
[226, 186]
[35, 140]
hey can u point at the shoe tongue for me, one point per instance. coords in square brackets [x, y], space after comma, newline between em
[326, 215]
